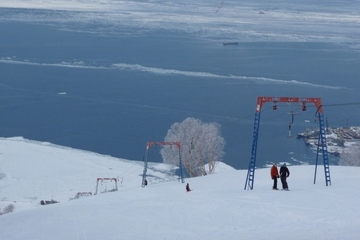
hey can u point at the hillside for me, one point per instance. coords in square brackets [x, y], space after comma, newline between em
[217, 208]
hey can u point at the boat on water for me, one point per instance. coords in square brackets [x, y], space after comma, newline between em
[230, 43]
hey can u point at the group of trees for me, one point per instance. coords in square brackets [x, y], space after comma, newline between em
[350, 157]
[202, 146]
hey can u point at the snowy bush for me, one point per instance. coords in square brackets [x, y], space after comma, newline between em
[202, 146]
[8, 209]
[350, 157]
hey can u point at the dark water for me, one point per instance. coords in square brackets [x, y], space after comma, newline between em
[115, 111]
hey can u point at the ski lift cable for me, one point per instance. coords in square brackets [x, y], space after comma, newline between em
[238, 120]
[128, 169]
[324, 105]
[132, 172]
[336, 105]
[280, 115]
[265, 109]
[340, 104]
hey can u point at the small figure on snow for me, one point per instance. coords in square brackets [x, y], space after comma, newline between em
[46, 202]
[284, 173]
[188, 188]
[145, 182]
[274, 176]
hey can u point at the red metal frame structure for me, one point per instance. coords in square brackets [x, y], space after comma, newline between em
[106, 179]
[148, 145]
[262, 100]
[322, 137]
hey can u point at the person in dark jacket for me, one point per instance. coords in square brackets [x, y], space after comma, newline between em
[188, 188]
[284, 173]
[274, 176]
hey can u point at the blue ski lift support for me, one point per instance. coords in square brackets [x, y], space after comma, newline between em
[322, 143]
[249, 183]
[148, 145]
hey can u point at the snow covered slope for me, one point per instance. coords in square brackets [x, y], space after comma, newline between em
[217, 208]
[38, 171]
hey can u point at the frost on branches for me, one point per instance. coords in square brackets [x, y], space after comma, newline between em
[202, 146]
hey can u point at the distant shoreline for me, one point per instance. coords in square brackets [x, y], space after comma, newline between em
[337, 139]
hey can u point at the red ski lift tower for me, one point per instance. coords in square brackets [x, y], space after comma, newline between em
[148, 145]
[321, 142]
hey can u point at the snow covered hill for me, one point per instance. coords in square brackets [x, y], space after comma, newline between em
[38, 171]
[217, 208]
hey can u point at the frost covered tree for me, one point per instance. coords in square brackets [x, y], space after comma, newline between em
[202, 146]
[351, 157]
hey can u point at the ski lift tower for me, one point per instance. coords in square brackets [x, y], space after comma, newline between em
[148, 145]
[321, 142]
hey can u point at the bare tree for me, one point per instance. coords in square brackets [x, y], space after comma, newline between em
[350, 157]
[202, 146]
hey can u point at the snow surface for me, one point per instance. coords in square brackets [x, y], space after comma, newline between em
[217, 208]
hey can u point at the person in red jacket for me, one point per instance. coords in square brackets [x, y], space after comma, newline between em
[274, 175]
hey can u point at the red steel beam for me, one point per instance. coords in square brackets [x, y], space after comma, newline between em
[262, 100]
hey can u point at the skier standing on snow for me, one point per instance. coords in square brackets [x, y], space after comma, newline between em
[274, 175]
[188, 188]
[284, 173]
